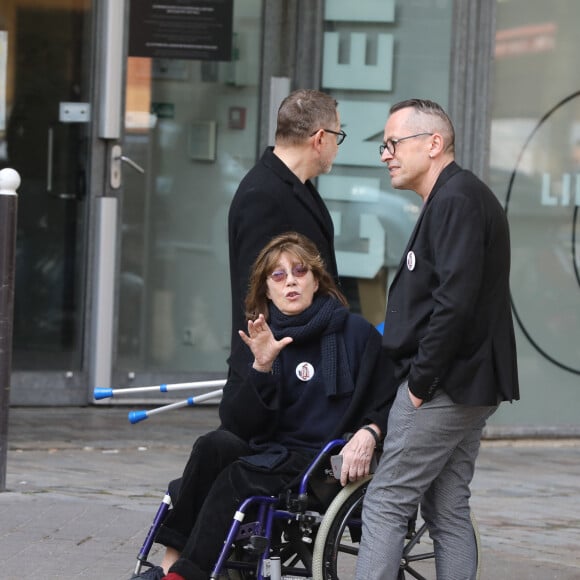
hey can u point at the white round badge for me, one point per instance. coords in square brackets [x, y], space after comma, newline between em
[411, 261]
[304, 371]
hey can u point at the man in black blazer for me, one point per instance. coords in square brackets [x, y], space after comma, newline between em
[277, 196]
[449, 331]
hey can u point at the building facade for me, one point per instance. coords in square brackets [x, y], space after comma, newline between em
[131, 123]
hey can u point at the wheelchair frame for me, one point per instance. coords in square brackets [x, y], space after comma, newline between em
[336, 531]
[316, 544]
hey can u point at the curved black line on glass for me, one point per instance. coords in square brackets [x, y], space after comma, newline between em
[574, 261]
[574, 221]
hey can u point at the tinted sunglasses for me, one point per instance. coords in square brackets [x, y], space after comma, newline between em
[298, 271]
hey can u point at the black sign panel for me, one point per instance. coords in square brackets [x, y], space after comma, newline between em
[183, 29]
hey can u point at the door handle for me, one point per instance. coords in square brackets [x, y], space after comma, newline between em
[116, 159]
[132, 163]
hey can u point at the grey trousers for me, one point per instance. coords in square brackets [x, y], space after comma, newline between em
[429, 458]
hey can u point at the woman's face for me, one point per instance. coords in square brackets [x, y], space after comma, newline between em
[291, 285]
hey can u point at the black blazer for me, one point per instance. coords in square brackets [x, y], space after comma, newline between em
[269, 201]
[449, 321]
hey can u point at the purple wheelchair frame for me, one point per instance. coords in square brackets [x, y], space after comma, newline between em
[267, 513]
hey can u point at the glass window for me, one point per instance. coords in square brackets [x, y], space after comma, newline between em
[535, 171]
[45, 113]
[376, 54]
[193, 126]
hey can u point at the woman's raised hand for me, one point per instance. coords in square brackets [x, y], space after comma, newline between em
[263, 344]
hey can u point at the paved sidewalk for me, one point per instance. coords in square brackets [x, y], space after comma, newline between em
[84, 484]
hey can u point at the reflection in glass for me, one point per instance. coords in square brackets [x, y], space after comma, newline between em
[194, 126]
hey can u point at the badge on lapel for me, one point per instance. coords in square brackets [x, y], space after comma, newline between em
[304, 371]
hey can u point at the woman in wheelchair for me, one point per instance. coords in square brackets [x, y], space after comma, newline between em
[318, 373]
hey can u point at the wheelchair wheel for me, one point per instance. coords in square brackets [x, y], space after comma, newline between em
[338, 538]
[336, 545]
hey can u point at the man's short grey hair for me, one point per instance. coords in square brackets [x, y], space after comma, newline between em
[304, 112]
[430, 117]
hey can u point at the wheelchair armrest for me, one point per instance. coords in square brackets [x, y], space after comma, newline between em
[322, 455]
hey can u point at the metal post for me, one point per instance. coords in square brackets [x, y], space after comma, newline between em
[9, 183]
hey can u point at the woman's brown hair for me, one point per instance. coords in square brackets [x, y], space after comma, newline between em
[299, 246]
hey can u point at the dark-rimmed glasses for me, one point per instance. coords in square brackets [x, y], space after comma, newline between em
[298, 271]
[340, 135]
[392, 143]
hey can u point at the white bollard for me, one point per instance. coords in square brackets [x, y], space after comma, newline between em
[9, 183]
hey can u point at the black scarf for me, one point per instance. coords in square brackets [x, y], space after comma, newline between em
[324, 319]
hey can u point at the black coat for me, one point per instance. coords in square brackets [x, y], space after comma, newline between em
[449, 321]
[252, 408]
[270, 200]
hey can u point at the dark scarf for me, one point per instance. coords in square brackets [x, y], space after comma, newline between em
[323, 320]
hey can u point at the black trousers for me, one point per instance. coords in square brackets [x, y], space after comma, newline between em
[214, 483]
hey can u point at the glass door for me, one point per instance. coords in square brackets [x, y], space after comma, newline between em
[192, 125]
[44, 129]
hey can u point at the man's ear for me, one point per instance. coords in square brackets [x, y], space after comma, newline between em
[317, 139]
[437, 145]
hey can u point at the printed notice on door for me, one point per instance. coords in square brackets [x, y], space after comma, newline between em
[181, 29]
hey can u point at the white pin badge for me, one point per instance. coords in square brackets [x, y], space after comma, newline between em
[411, 261]
[304, 371]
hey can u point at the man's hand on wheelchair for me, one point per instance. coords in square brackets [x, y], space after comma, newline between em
[357, 454]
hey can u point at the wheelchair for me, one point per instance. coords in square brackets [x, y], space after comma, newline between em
[313, 532]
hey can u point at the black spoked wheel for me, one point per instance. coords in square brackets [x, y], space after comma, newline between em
[338, 538]
[337, 542]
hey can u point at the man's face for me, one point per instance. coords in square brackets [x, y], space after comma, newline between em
[410, 162]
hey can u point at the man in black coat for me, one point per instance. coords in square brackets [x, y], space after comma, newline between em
[277, 196]
[449, 331]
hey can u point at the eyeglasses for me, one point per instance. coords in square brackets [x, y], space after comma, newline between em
[392, 143]
[340, 135]
[298, 271]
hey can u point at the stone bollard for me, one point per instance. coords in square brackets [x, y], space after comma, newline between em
[9, 183]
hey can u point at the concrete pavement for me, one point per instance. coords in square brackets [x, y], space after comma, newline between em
[84, 484]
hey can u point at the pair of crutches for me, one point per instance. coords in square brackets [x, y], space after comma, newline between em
[136, 416]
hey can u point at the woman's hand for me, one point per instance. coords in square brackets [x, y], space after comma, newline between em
[357, 455]
[262, 343]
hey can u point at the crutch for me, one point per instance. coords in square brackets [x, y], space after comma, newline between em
[104, 393]
[137, 416]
